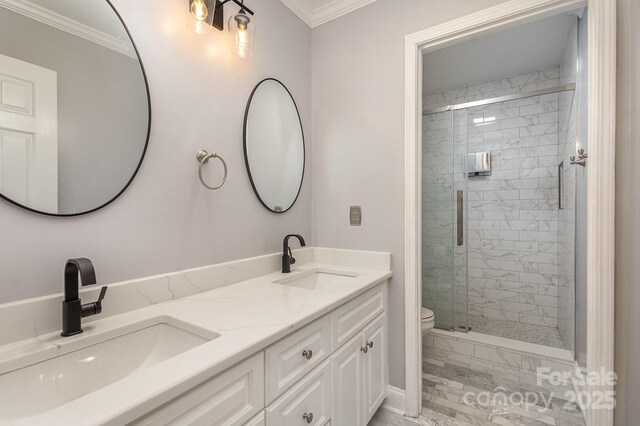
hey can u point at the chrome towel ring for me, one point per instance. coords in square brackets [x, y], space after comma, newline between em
[203, 158]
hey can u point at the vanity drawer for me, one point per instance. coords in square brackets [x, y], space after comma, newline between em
[230, 398]
[290, 359]
[306, 403]
[352, 317]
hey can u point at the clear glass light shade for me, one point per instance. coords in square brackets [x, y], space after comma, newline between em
[200, 15]
[242, 32]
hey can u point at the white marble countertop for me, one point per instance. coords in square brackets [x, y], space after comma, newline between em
[249, 316]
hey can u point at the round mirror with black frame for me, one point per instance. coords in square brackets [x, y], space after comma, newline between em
[274, 149]
[75, 111]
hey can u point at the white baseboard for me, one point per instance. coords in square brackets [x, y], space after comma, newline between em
[395, 402]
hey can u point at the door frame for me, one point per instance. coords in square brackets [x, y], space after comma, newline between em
[601, 185]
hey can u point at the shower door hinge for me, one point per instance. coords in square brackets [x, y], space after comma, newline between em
[582, 158]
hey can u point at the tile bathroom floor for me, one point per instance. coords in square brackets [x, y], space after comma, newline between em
[446, 382]
[539, 334]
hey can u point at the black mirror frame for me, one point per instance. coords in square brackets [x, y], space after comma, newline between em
[244, 146]
[144, 151]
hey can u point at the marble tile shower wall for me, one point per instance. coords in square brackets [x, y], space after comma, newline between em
[512, 215]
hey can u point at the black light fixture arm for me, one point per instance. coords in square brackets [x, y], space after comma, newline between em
[218, 17]
[240, 3]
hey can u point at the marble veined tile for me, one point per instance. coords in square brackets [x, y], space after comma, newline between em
[489, 394]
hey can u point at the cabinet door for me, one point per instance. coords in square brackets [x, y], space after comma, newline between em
[347, 397]
[258, 420]
[375, 365]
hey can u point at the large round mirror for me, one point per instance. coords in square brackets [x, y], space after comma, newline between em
[74, 105]
[274, 145]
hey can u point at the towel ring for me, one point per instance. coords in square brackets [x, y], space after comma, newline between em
[203, 158]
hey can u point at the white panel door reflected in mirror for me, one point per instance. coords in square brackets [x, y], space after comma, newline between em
[28, 134]
[274, 145]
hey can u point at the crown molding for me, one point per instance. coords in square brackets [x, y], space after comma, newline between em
[328, 12]
[48, 17]
[336, 9]
[302, 9]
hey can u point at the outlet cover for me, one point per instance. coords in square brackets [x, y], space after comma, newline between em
[355, 216]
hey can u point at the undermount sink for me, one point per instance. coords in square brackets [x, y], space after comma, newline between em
[56, 381]
[319, 279]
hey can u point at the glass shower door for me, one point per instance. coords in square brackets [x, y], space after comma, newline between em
[461, 133]
[444, 288]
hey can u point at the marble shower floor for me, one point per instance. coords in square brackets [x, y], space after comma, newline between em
[539, 334]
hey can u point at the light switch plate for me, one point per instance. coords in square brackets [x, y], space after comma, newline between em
[355, 216]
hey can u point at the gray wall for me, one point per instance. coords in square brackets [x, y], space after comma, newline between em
[627, 337]
[167, 220]
[358, 133]
[102, 108]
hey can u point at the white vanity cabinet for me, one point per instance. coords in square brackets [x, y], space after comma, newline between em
[332, 371]
[359, 371]
[353, 380]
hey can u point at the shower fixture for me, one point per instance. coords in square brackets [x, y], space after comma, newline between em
[479, 163]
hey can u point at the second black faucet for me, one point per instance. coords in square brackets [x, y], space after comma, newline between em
[287, 257]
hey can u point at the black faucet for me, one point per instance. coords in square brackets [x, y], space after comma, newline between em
[287, 257]
[72, 308]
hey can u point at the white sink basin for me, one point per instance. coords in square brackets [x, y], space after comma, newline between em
[48, 384]
[319, 279]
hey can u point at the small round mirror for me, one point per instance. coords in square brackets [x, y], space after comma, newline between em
[274, 145]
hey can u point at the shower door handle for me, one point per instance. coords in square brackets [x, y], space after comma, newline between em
[459, 211]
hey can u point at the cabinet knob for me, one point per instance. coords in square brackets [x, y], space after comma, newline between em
[364, 349]
[307, 353]
[370, 344]
[308, 417]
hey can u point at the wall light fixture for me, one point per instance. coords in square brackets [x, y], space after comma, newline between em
[207, 14]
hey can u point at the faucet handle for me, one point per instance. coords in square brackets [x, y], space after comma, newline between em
[103, 292]
[94, 308]
[292, 259]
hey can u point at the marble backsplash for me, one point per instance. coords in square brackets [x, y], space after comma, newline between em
[33, 317]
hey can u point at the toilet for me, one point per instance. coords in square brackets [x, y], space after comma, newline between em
[427, 319]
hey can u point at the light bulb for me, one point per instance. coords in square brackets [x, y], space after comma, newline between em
[242, 34]
[199, 10]
[242, 43]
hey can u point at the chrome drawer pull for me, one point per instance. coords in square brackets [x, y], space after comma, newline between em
[308, 417]
[307, 353]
